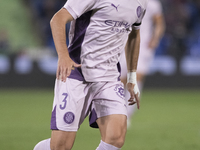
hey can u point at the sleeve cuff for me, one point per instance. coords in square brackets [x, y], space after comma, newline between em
[70, 10]
[136, 26]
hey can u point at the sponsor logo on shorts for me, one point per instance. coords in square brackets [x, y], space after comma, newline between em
[120, 91]
[69, 117]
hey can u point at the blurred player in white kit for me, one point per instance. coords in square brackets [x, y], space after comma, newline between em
[151, 32]
[88, 73]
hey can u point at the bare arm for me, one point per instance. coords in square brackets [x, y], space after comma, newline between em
[58, 25]
[158, 30]
[132, 50]
[132, 54]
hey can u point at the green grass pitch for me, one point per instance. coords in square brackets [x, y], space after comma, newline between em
[168, 120]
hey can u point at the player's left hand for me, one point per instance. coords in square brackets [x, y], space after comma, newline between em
[65, 65]
[134, 93]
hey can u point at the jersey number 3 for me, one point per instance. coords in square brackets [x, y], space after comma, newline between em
[63, 106]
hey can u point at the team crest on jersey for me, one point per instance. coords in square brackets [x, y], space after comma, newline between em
[139, 11]
[69, 117]
[120, 91]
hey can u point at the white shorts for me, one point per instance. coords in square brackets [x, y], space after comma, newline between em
[74, 100]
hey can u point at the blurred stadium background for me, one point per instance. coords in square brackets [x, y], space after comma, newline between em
[170, 115]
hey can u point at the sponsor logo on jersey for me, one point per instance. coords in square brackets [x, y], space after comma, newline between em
[114, 23]
[118, 26]
[69, 117]
[120, 91]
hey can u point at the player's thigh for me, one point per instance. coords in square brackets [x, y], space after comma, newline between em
[62, 139]
[109, 100]
[69, 99]
[67, 108]
[110, 108]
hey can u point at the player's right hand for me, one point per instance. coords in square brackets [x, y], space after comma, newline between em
[65, 65]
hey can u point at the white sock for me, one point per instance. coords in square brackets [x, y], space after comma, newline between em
[43, 145]
[105, 146]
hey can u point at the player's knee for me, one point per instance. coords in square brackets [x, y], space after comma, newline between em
[119, 142]
[117, 139]
[61, 140]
